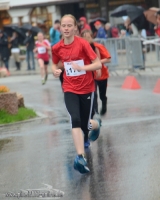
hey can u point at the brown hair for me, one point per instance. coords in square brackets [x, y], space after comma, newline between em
[86, 31]
[71, 16]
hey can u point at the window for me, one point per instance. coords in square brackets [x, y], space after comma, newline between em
[5, 18]
[40, 17]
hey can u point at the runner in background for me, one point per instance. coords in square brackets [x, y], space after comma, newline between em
[101, 75]
[79, 60]
[42, 49]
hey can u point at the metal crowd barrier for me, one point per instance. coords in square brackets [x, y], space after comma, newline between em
[129, 53]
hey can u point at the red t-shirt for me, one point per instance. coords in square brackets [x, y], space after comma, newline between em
[104, 53]
[158, 31]
[79, 49]
[42, 51]
[104, 73]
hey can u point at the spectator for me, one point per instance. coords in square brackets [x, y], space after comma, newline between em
[55, 33]
[15, 50]
[157, 27]
[101, 31]
[83, 24]
[4, 50]
[29, 42]
[112, 32]
[122, 33]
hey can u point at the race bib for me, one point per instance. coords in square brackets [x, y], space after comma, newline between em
[41, 50]
[70, 71]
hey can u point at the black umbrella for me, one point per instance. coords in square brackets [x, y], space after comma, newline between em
[141, 22]
[133, 12]
[29, 27]
[9, 29]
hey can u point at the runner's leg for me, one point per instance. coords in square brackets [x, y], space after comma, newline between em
[73, 106]
[46, 70]
[102, 94]
[96, 98]
[86, 113]
[72, 102]
[42, 68]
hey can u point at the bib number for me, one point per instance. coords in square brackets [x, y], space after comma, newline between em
[41, 50]
[70, 71]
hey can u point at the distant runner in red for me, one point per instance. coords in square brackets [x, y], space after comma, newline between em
[79, 60]
[42, 49]
[102, 75]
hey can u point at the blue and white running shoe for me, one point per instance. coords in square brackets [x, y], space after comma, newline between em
[80, 164]
[94, 134]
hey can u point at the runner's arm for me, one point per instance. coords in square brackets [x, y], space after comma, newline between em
[96, 64]
[56, 72]
[98, 71]
[35, 50]
[57, 64]
[104, 60]
[46, 46]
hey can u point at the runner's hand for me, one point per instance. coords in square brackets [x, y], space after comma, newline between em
[98, 73]
[57, 73]
[76, 67]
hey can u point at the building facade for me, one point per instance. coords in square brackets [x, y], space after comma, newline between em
[38, 12]
[44, 14]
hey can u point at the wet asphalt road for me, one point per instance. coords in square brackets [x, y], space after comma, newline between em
[124, 161]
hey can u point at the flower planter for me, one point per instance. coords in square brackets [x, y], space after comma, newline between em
[9, 102]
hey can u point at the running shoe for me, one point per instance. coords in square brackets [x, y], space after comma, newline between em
[94, 134]
[86, 144]
[43, 81]
[80, 164]
[46, 77]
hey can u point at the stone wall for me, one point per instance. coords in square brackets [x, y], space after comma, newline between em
[9, 102]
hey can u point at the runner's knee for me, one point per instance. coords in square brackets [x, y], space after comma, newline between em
[76, 122]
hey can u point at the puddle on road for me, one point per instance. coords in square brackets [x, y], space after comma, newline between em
[3, 142]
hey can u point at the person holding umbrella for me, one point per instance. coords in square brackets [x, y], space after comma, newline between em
[4, 50]
[29, 42]
[15, 49]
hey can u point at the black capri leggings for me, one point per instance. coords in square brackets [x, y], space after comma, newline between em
[80, 109]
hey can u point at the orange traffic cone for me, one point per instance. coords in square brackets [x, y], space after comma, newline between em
[131, 83]
[157, 87]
